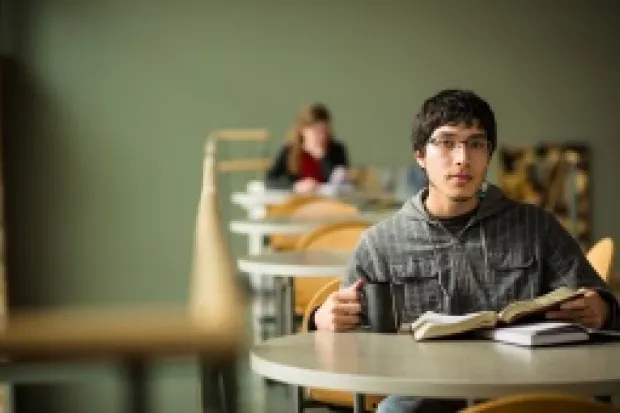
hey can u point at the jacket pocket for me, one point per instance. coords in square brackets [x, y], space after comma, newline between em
[515, 275]
[511, 260]
[420, 278]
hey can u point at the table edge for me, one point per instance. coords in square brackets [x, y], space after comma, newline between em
[290, 270]
[373, 385]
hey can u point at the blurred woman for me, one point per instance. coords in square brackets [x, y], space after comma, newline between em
[311, 155]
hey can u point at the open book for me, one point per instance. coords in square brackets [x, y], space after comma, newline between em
[434, 325]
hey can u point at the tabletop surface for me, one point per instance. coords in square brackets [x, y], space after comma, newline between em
[276, 196]
[288, 225]
[261, 198]
[98, 333]
[396, 364]
[296, 263]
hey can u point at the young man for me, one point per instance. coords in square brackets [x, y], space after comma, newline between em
[460, 245]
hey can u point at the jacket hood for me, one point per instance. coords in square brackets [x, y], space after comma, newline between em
[492, 201]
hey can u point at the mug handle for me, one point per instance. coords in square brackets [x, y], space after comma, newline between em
[397, 303]
[364, 307]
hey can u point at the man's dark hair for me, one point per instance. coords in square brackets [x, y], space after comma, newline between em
[452, 107]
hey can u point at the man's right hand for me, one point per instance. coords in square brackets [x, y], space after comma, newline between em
[341, 311]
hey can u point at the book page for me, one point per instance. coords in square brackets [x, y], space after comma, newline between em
[555, 296]
[432, 324]
[437, 318]
[431, 317]
[521, 308]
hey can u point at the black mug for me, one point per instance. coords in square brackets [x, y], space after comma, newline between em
[382, 306]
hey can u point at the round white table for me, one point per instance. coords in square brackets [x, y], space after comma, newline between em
[256, 229]
[295, 263]
[255, 203]
[286, 266]
[363, 362]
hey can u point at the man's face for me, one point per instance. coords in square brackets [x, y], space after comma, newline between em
[456, 158]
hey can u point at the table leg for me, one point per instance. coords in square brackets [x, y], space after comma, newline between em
[289, 308]
[218, 388]
[358, 403]
[210, 390]
[230, 390]
[279, 301]
[255, 246]
[257, 212]
[137, 387]
[298, 399]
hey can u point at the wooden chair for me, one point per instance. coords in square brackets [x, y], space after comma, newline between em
[213, 166]
[601, 257]
[340, 237]
[331, 397]
[541, 403]
[305, 206]
[311, 292]
[241, 135]
[367, 178]
[213, 268]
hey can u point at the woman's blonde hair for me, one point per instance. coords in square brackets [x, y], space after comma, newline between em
[308, 115]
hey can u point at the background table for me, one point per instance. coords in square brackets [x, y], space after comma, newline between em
[133, 338]
[290, 264]
[256, 229]
[364, 362]
[255, 203]
[296, 263]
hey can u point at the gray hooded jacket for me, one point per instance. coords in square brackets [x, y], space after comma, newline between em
[508, 251]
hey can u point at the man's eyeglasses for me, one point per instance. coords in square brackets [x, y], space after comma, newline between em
[474, 146]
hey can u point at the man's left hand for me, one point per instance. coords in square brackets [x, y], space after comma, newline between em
[590, 310]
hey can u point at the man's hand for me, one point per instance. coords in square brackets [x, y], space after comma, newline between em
[341, 311]
[591, 310]
[306, 185]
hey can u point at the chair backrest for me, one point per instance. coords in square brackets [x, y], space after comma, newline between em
[317, 299]
[286, 208]
[324, 207]
[541, 403]
[341, 237]
[213, 284]
[367, 179]
[601, 257]
[306, 206]
[241, 135]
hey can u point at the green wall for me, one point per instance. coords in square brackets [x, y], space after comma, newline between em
[113, 99]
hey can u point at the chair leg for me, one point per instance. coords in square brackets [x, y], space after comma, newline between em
[137, 387]
[298, 399]
[210, 392]
[219, 388]
[359, 403]
[228, 375]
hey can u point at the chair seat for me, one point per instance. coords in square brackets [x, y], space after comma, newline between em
[342, 399]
